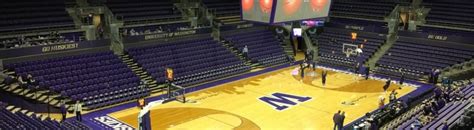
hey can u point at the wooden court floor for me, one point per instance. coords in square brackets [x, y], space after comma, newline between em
[236, 105]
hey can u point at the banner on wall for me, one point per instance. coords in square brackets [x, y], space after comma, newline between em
[438, 37]
[35, 50]
[132, 39]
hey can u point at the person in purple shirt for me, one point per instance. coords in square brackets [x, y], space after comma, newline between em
[445, 125]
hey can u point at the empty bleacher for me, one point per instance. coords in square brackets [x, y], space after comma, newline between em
[417, 57]
[96, 79]
[375, 10]
[445, 32]
[453, 13]
[226, 12]
[331, 44]
[30, 15]
[194, 61]
[263, 47]
[12, 118]
[144, 11]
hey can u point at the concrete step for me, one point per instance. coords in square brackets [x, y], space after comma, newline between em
[143, 76]
[21, 91]
[148, 78]
[43, 98]
[228, 17]
[54, 102]
[43, 117]
[30, 113]
[33, 95]
[10, 73]
[24, 111]
[156, 90]
[153, 82]
[11, 88]
[235, 22]
[5, 87]
[16, 109]
[10, 108]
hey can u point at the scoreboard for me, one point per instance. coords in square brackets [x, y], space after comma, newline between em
[277, 11]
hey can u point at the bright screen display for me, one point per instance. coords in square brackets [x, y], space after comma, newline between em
[257, 10]
[297, 32]
[292, 10]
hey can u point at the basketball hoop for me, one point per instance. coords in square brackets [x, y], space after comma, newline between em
[348, 52]
[349, 49]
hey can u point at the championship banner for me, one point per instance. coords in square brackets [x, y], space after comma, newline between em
[169, 74]
[353, 36]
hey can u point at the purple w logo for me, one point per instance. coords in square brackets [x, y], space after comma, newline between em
[283, 100]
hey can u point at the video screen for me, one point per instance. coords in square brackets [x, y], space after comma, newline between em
[297, 32]
[292, 10]
[257, 10]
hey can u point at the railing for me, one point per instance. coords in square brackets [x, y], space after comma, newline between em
[150, 21]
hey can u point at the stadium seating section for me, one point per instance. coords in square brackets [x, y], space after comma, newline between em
[144, 11]
[417, 57]
[263, 46]
[226, 11]
[97, 79]
[21, 121]
[449, 113]
[362, 9]
[193, 61]
[450, 13]
[102, 78]
[445, 32]
[32, 15]
[331, 43]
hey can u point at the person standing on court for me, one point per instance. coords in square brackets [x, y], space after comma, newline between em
[78, 110]
[387, 85]
[307, 54]
[245, 52]
[302, 67]
[356, 69]
[311, 53]
[63, 110]
[341, 122]
[402, 78]
[432, 76]
[367, 72]
[336, 119]
[323, 77]
[437, 72]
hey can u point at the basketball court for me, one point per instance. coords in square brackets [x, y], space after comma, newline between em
[239, 104]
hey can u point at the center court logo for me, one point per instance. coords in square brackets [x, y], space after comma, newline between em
[113, 123]
[281, 101]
